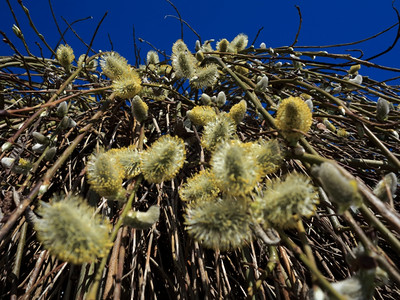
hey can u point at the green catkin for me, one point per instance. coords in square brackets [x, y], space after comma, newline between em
[127, 85]
[218, 131]
[341, 190]
[238, 111]
[105, 176]
[68, 229]
[269, 155]
[163, 160]
[128, 159]
[221, 224]
[284, 202]
[142, 220]
[235, 168]
[204, 76]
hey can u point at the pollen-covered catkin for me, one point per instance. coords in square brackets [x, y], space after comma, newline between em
[200, 187]
[293, 115]
[201, 115]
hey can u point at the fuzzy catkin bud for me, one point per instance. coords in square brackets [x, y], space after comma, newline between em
[220, 100]
[197, 45]
[17, 31]
[285, 202]
[358, 79]
[382, 109]
[142, 220]
[200, 56]
[200, 187]
[269, 155]
[184, 64]
[218, 131]
[310, 104]
[152, 58]
[205, 99]
[62, 109]
[262, 84]
[90, 66]
[7, 162]
[40, 138]
[139, 109]
[386, 186]
[6, 146]
[50, 153]
[341, 190]
[65, 56]
[239, 43]
[38, 148]
[129, 159]
[180, 46]
[222, 45]
[69, 231]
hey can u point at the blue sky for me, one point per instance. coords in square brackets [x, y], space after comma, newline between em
[324, 22]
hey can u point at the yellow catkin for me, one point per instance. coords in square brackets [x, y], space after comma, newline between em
[293, 114]
[238, 111]
[127, 85]
[201, 115]
[114, 65]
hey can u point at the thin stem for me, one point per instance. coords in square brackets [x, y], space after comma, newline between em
[306, 246]
[373, 220]
[92, 295]
[318, 275]
[34, 27]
